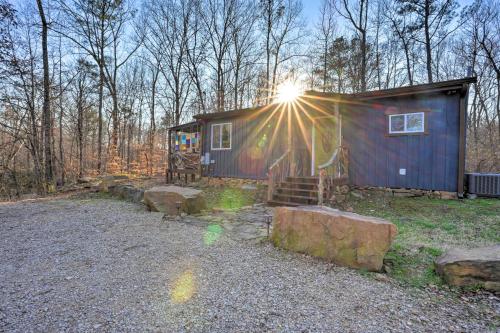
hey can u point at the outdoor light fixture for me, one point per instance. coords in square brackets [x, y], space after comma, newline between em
[178, 205]
[287, 92]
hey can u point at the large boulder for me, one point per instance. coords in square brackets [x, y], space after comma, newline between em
[347, 239]
[166, 198]
[85, 180]
[472, 267]
[127, 192]
[111, 180]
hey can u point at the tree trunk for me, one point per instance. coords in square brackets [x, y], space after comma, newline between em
[100, 106]
[47, 119]
[428, 51]
[269, 13]
[363, 60]
[152, 131]
[325, 64]
[408, 66]
[61, 148]
[79, 129]
[101, 90]
[115, 123]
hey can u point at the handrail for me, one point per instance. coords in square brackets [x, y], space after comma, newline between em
[331, 160]
[277, 172]
[281, 158]
[339, 162]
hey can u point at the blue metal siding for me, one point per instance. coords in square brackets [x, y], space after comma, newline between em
[252, 151]
[430, 160]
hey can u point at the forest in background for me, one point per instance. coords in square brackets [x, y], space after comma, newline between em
[89, 87]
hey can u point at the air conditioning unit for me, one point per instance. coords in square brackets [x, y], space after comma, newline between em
[484, 184]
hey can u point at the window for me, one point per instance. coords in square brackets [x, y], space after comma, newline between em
[407, 123]
[221, 136]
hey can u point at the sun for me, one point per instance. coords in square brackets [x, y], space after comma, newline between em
[287, 92]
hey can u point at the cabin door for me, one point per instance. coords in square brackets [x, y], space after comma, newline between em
[323, 141]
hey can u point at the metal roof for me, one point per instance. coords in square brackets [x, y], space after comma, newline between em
[368, 95]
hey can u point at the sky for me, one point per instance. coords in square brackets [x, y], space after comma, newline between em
[311, 10]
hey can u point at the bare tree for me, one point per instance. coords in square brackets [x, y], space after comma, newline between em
[47, 115]
[282, 27]
[326, 31]
[196, 54]
[432, 19]
[93, 26]
[402, 24]
[243, 47]
[218, 17]
[357, 15]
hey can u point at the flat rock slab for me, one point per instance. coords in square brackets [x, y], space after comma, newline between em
[471, 267]
[166, 198]
[347, 239]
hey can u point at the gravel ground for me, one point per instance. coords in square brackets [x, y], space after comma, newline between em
[107, 265]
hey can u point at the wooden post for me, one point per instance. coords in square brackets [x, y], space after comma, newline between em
[338, 121]
[270, 185]
[292, 170]
[321, 186]
[199, 130]
[169, 156]
[462, 133]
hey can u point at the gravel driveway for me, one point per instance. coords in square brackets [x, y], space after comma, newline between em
[107, 265]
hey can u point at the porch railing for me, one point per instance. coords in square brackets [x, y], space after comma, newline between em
[277, 173]
[335, 169]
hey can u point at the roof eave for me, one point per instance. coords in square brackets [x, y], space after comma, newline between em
[402, 91]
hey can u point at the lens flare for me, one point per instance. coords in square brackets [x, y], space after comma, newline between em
[214, 231]
[184, 288]
[233, 199]
[287, 92]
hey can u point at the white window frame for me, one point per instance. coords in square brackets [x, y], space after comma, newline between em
[405, 130]
[221, 125]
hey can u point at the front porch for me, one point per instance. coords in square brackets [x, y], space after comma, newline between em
[315, 163]
[289, 186]
[184, 143]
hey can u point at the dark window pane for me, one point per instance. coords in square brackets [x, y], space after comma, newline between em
[397, 123]
[226, 136]
[216, 136]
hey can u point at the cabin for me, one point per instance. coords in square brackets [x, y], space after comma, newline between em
[404, 138]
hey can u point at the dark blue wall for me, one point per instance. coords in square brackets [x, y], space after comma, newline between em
[251, 153]
[430, 160]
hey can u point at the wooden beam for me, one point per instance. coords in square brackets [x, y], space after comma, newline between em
[169, 155]
[462, 140]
